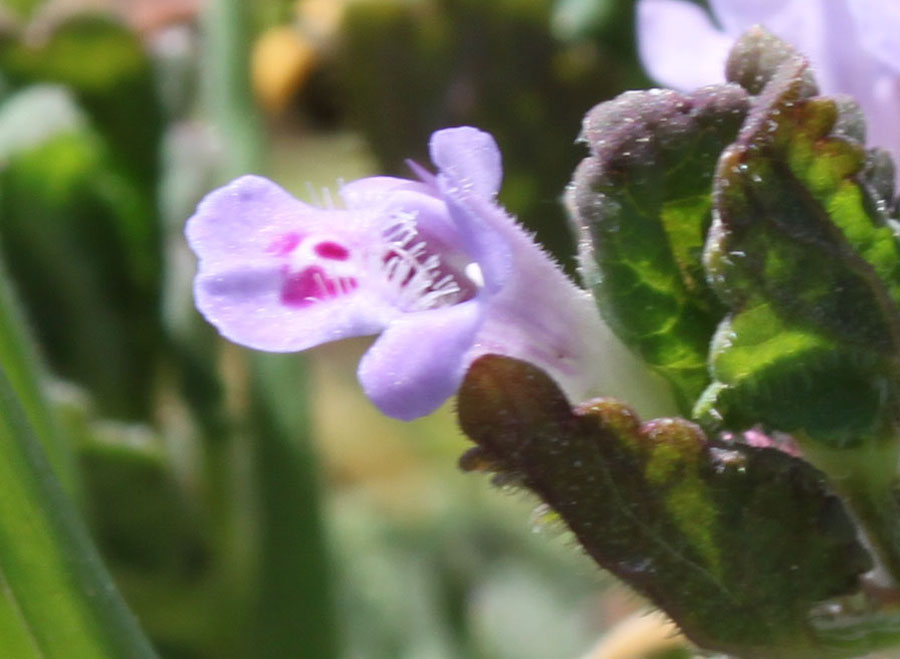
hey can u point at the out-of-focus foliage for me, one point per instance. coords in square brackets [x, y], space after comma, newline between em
[57, 598]
[77, 201]
[21, 8]
[116, 89]
[409, 68]
[193, 463]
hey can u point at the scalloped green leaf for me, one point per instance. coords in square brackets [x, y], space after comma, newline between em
[736, 543]
[803, 253]
[806, 255]
[642, 204]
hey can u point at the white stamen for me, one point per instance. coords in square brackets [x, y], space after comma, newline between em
[327, 199]
[417, 250]
[404, 230]
[313, 194]
[413, 274]
[345, 285]
[320, 284]
[434, 297]
[433, 262]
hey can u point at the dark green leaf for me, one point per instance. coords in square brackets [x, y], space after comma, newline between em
[642, 202]
[735, 542]
[803, 254]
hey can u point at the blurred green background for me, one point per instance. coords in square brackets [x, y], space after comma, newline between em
[254, 505]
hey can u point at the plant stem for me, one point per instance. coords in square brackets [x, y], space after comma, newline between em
[864, 476]
[229, 97]
[23, 368]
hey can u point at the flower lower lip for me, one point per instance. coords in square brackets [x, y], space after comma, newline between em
[312, 285]
[332, 251]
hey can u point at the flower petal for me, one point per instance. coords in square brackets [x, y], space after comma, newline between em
[372, 191]
[420, 360]
[878, 24]
[736, 16]
[276, 274]
[880, 107]
[469, 174]
[487, 231]
[248, 306]
[246, 219]
[678, 44]
[469, 158]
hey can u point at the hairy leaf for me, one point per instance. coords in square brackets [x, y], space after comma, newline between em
[803, 253]
[642, 203]
[735, 542]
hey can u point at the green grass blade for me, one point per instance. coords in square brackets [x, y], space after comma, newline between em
[19, 358]
[58, 600]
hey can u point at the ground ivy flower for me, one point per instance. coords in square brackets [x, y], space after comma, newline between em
[434, 265]
[852, 45]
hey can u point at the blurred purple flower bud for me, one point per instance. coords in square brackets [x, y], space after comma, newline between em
[853, 46]
[434, 265]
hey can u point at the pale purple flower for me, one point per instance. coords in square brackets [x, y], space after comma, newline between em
[434, 265]
[853, 45]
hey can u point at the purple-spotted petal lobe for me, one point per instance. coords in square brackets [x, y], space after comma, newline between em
[276, 274]
[679, 45]
[419, 362]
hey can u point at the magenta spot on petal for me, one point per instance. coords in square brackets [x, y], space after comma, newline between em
[333, 251]
[284, 245]
[311, 285]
